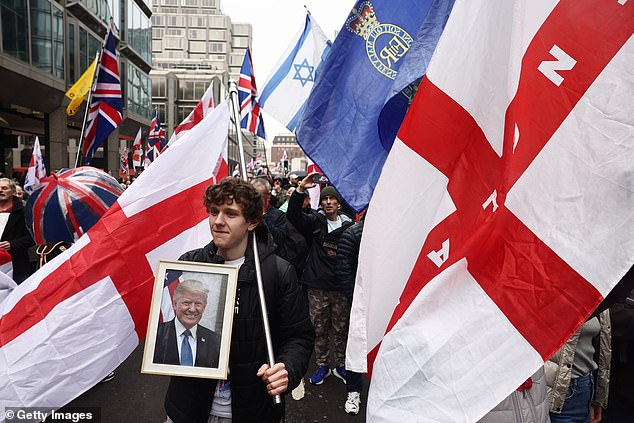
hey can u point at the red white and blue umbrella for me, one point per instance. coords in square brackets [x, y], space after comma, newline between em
[69, 202]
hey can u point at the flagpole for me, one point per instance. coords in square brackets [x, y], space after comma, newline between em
[233, 97]
[88, 100]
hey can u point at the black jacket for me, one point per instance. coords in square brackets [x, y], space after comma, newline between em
[188, 400]
[319, 272]
[166, 350]
[348, 257]
[276, 222]
[18, 236]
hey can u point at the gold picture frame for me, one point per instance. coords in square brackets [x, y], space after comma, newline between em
[173, 311]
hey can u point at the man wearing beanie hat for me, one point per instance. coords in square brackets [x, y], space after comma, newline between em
[328, 304]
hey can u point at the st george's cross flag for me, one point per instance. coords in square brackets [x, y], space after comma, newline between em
[37, 170]
[202, 109]
[106, 104]
[289, 86]
[137, 150]
[518, 218]
[250, 112]
[83, 313]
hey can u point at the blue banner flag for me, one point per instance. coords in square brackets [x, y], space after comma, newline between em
[339, 129]
[287, 89]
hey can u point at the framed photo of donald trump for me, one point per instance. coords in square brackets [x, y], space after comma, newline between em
[191, 316]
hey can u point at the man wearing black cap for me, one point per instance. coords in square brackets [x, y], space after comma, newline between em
[327, 299]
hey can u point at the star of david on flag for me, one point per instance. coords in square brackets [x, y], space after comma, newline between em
[106, 103]
[250, 112]
[288, 87]
[520, 220]
[304, 72]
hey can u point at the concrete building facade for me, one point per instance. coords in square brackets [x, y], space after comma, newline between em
[45, 45]
[193, 44]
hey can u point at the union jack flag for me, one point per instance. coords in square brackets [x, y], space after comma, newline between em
[106, 104]
[248, 98]
[156, 138]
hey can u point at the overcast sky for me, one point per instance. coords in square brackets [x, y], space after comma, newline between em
[274, 23]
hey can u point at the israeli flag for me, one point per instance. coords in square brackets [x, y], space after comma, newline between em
[287, 89]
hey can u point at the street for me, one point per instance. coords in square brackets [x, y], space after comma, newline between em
[132, 397]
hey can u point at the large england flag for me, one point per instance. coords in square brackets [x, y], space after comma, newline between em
[503, 215]
[81, 315]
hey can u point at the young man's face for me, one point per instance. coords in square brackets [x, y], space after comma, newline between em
[189, 308]
[229, 227]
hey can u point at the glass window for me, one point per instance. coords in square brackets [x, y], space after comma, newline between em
[240, 42]
[185, 90]
[197, 47]
[15, 37]
[160, 110]
[197, 34]
[183, 112]
[158, 88]
[139, 91]
[215, 47]
[138, 33]
[83, 49]
[217, 34]
[72, 77]
[41, 38]
[58, 42]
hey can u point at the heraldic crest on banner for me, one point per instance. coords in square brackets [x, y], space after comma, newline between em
[385, 44]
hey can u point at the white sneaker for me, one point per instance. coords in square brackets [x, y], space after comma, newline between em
[353, 403]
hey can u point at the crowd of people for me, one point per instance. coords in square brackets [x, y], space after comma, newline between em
[309, 260]
[589, 379]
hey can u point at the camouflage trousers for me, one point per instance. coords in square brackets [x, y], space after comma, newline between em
[329, 309]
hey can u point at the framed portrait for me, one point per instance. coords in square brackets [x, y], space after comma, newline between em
[191, 316]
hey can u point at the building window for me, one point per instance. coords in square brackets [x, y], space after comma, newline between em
[138, 32]
[72, 77]
[47, 37]
[196, 34]
[138, 92]
[215, 47]
[88, 48]
[158, 88]
[197, 47]
[190, 3]
[183, 112]
[158, 20]
[15, 37]
[217, 35]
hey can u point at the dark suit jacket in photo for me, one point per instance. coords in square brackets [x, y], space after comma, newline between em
[166, 349]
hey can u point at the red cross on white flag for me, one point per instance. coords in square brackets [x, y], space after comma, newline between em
[81, 315]
[503, 214]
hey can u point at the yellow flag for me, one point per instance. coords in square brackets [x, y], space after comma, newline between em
[78, 91]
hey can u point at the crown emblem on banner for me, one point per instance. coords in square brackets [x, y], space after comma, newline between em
[362, 20]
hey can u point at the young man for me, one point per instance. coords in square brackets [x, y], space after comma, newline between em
[235, 210]
[329, 306]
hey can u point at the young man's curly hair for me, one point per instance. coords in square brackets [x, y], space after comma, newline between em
[233, 189]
